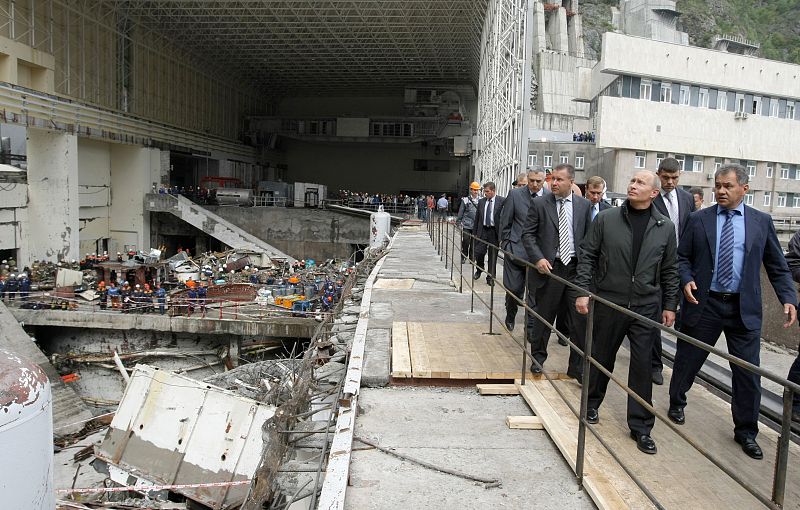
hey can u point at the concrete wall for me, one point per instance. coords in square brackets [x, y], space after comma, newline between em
[557, 76]
[637, 56]
[341, 106]
[302, 233]
[133, 172]
[654, 126]
[54, 201]
[374, 168]
[94, 178]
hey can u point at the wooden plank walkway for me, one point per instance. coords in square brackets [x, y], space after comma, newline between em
[432, 350]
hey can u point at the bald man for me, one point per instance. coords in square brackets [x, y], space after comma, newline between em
[629, 255]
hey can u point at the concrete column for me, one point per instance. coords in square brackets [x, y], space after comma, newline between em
[557, 29]
[539, 30]
[575, 34]
[164, 168]
[133, 172]
[53, 207]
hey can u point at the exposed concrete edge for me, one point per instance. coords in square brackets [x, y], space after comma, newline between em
[334, 488]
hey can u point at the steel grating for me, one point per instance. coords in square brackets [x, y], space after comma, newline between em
[332, 47]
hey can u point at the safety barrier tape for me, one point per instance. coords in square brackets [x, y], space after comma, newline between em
[149, 488]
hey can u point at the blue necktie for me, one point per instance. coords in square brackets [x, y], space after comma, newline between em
[725, 260]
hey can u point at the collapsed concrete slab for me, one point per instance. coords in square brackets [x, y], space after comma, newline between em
[171, 429]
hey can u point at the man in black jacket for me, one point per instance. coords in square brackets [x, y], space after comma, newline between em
[793, 259]
[486, 229]
[629, 255]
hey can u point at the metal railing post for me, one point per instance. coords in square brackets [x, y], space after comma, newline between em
[473, 262]
[446, 242]
[782, 453]
[491, 302]
[524, 374]
[587, 351]
[453, 251]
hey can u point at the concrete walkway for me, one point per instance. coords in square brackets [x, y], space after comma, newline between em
[451, 427]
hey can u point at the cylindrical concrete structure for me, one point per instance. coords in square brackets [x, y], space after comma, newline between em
[26, 435]
[380, 224]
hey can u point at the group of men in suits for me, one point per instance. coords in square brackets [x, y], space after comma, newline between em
[654, 255]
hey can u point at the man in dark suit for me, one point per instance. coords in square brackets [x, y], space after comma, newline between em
[512, 222]
[486, 227]
[595, 188]
[793, 259]
[553, 234]
[720, 258]
[676, 204]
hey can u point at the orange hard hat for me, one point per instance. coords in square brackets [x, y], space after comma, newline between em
[101, 284]
[475, 186]
[294, 279]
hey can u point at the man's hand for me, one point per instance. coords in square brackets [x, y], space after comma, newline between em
[791, 314]
[543, 266]
[582, 305]
[668, 318]
[687, 291]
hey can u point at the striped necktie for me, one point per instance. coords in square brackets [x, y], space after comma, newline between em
[564, 239]
[725, 259]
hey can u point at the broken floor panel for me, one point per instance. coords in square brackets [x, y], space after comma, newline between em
[171, 429]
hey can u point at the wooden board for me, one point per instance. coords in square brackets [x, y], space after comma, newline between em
[395, 283]
[497, 389]
[601, 484]
[401, 356]
[524, 422]
[440, 350]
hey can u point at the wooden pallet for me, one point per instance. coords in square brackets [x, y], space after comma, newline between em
[433, 350]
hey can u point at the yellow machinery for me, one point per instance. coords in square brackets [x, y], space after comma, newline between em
[288, 301]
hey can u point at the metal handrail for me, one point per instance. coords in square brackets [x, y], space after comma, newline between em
[789, 388]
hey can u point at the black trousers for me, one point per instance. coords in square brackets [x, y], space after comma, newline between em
[610, 327]
[514, 281]
[794, 376]
[489, 245]
[554, 298]
[657, 361]
[466, 244]
[722, 315]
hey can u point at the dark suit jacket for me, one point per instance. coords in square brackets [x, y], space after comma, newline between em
[685, 207]
[478, 228]
[512, 222]
[604, 205]
[696, 263]
[540, 236]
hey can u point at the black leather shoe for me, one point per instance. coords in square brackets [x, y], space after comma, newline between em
[561, 341]
[644, 443]
[490, 281]
[535, 368]
[592, 416]
[750, 447]
[509, 324]
[476, 275]
[658, 378]
[676, 415]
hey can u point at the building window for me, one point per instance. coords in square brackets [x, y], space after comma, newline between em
[767, 198]
[640, 160]
[697, 165]
[684, 97]
[796, 174]
[722, 100]
[748, 198]
[564, 159]
[784, 172]
[773, 107]
[548, 160]
[579, 161]
[756, 105]
[717, 163]
[770, 171]
[796, 201]
[666, 92]
[702, 99]
[682, 160]
[645, 89]
[790, 109]
[533, 159]
[751, 168]
[781, 199]
[660, 156]
[740, 103]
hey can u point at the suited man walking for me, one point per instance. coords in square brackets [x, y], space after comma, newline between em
[512, 223]
[595, 188]
[676, 204]
[720, 258]
[554, 231]
[486, 228]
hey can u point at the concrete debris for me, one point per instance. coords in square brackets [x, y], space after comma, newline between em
[267, 381]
